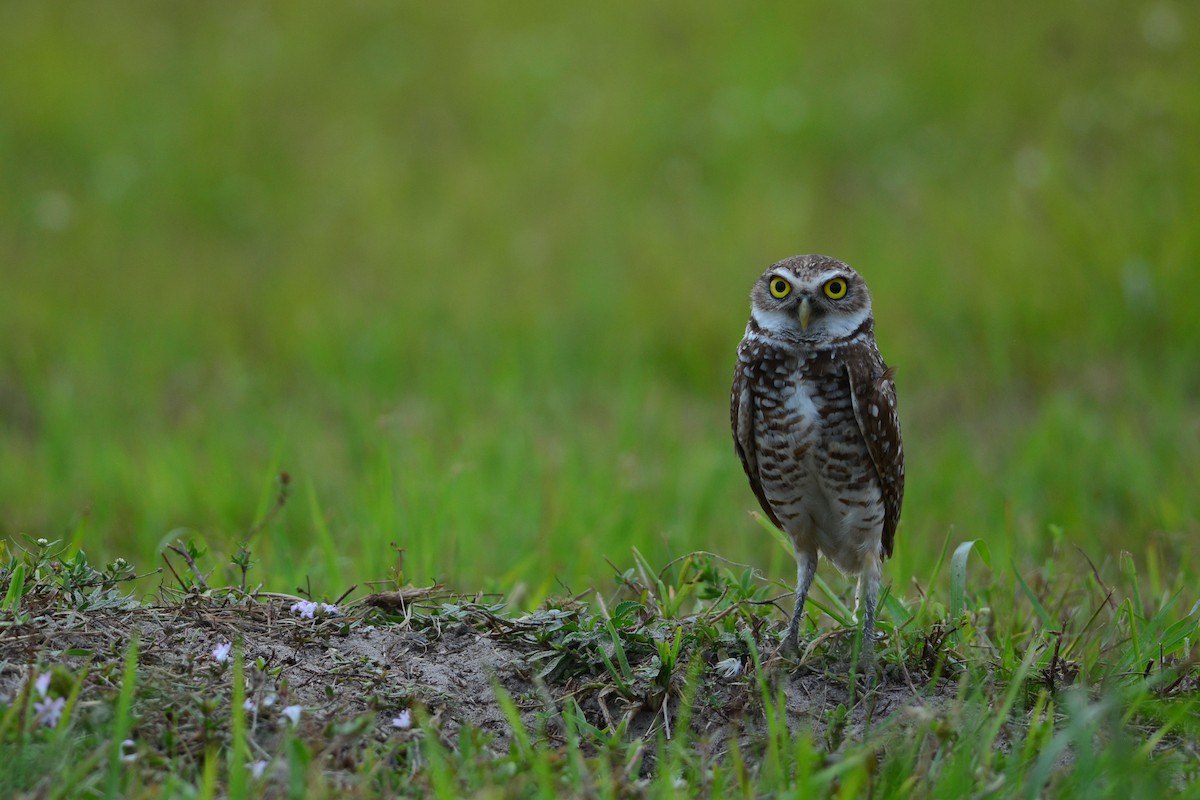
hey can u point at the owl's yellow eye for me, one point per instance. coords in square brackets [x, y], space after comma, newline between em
[835, 289]
[780, 288]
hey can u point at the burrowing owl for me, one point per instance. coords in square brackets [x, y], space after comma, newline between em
[814, 420]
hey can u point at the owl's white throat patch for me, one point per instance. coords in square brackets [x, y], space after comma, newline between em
[842, 325]
[824, 327]
[775, 321]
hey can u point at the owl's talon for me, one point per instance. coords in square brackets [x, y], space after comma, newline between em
[789, 648]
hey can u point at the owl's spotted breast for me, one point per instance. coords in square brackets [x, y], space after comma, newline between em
[813, 472]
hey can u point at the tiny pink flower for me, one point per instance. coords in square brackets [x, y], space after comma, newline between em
[403, 721]
[304, 608]
[293, 714]
[257, 768]
[221, 652]
[49, 710]
[248, 704]
[42, 684]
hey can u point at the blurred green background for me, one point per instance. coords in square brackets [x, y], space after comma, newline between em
[473, 274]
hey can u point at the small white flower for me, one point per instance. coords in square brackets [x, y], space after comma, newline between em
[729, 668]
[257, 768]
[42, 684]
[308, 609]
[248, 704]
[129, 751]
[43, 542]
[269, 701]
[49, 710]
[221, 652]
[304, 608]
[403, 720]
[293, 713]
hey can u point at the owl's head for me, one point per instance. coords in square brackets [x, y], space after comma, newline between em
[811, 298]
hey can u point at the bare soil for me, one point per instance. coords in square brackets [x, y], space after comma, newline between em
[441, 661]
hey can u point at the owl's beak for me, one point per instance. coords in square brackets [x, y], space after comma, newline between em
[805, 314]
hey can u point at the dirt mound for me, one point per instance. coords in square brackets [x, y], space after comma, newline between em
[441, 664]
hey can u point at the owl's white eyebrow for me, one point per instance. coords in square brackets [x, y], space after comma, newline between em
[828, 276]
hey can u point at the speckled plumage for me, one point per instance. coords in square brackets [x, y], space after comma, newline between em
[813, 411]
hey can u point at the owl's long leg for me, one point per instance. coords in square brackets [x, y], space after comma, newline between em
[806, 569]
[868, 585]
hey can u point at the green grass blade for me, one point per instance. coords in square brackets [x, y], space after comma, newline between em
[329, 550]
[16, 589]
[211, 776]
[64, 722]
[958, 578]
[509, 709]
[440, 775]
[619, 681]
[841, 613]
[779, 536]
[122, 720]
[619, 651]
[1038, 608]
[237, 748]
[999, 714]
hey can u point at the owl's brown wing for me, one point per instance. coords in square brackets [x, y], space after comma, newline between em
[873, 392]
[741, 419]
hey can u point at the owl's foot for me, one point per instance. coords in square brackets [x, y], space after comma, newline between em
[868, 667]
[864, 685]
[869, 672]
[789, 648]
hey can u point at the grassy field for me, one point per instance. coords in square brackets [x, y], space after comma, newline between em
[473, 277]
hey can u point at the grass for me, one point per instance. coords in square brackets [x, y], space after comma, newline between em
[665, 691]
[473, 280]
